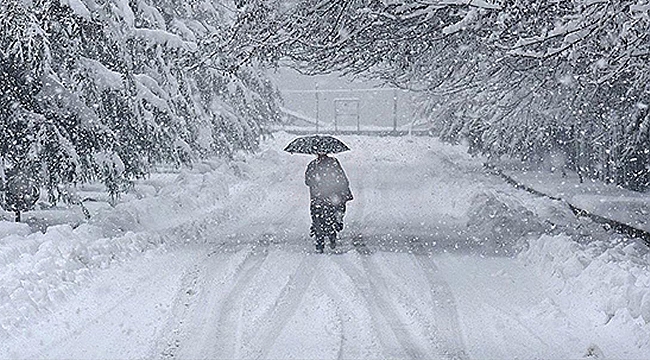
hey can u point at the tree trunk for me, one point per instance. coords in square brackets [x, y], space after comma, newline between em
[3, 181]
[17, 216]
[2, 172]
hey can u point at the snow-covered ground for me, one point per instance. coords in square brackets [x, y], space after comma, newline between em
[438, 260]
[608, 200]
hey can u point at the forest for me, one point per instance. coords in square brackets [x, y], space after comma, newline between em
[103, 90]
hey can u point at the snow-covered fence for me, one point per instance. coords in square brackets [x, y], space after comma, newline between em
[372, 110]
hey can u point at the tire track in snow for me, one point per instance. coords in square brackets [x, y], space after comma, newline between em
[444, 310]
[227, 333]
[184, 301]
[197, 291]
[354, 344]
[340, 310]
[383, 314]
[285, 306]
[438, 334]
[430, 342]
[340, 320]
[207, 314]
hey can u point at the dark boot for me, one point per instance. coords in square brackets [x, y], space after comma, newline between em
[320, 243]
[333, 241]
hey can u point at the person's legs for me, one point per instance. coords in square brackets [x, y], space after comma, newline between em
[332, 240]
[330, 223]
[318, 225]
[320, 243]
[339, 212]
[327, 220]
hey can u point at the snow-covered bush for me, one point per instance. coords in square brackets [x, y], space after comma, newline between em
[500, 224]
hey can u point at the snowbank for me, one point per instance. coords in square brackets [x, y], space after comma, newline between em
[42, 269]
[613, 279]
[13, 228]
[39, 270]
[190, 192]
[601, 278]
[499, 223]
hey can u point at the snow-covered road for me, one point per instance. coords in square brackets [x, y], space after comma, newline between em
[264, 293]
[413, 276]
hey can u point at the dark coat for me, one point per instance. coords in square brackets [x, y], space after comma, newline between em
[327, 181]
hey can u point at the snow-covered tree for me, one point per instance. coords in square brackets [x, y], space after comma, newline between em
[102, 90]
[49, 133]
[518, 77]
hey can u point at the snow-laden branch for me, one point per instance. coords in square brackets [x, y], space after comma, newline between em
[162, 37]
[103, 77]
[482, 4]
[66, 102]
[462, 24]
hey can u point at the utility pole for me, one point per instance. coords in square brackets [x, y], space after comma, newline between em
[316, 106]
[395, 110]
[3, 180]
[358, 119]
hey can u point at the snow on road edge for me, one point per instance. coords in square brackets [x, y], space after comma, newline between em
[615, 280]
[40, 271]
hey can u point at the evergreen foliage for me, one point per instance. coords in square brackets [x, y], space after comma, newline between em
[104, 89]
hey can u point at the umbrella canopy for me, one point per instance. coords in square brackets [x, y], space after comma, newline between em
[316, 144]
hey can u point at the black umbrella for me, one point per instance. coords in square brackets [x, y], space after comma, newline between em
[316, 144]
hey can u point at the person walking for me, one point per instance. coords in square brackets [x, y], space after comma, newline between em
[329, 188]
[329, 192]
